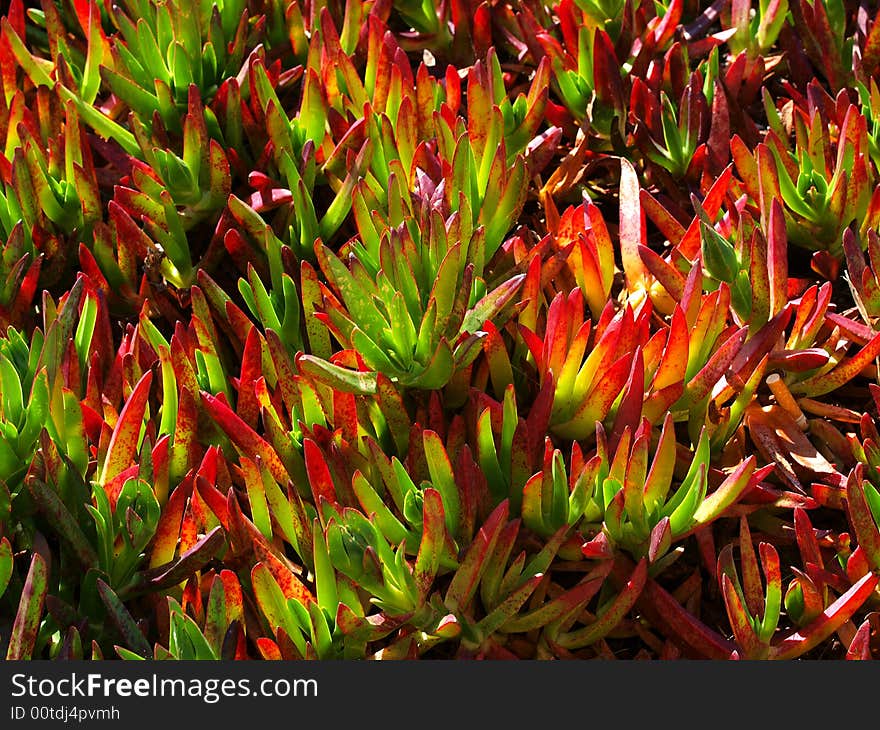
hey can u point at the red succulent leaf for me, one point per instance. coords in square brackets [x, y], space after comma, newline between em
[467, 577]
[860, 646]
[740, 620]
[432, 543]
[191, 561]
[665, 612]
[23, 636]
[124, 441]
[632, 228]
[243, 435]
[837, 614]
[164, 541]
[614, 614]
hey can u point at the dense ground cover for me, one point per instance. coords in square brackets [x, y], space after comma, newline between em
[387, 329]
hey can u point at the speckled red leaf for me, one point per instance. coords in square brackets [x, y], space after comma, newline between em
[394, 410]
[243, 435]
[124, 442]
[810, 315]
[752, 589]
[842, 373]
[777, 258]
[614, 614]
[432, 543]
[660, 540]
[768, 184]
[498, 359]
[538, 420]
[247, 406]
[829, 496]
[702, 383]
[23, 636]
[562, 605]
[668, 224]
[467, 577]
[55, 511]
[345, 415]
[669, 277]
[599, 548]
[798, 361]
[320, 478]
[691, 296]
[562, 318]
[8, 65]
[806, 537]
[123, 620]
[27, 287]
[194, 559]
[284, 368]
[268, 649]
[837, 614]
[759, 344]
[718, 144]
[673, 362]
[856, 565]
[214, 499]
[291, 586]
[850, 328]
[606, 73]
[860, 646]
[746, 167]
[629, 411]
[233, 595]
[748, 641]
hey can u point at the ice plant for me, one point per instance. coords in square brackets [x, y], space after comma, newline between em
[415, 341]
[756, 32]
[406, 330]
[824, 183]
[669, 134]
[586, 72]
[755, 609]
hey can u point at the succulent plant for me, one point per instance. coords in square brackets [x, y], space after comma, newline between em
[464, 330]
